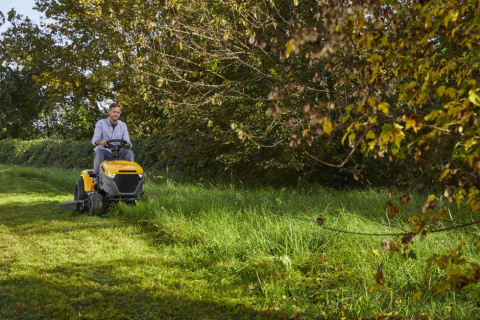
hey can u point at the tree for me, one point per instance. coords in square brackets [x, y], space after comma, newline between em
[181, 69]
[364, 73]
[410, 72]
[20, 104]
[72, 75]
[412, 81]
[2, 19]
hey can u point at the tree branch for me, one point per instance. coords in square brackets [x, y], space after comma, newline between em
[344, 161]
[400, 234]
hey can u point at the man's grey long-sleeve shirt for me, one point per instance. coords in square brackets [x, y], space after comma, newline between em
[105, 131]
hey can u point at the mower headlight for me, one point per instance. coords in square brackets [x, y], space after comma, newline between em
[140, 175]
[111, 175]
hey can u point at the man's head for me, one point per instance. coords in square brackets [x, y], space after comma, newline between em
[114, 112]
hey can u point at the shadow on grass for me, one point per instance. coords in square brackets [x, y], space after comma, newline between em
[91, 291]
[17, 214]
[25, 184]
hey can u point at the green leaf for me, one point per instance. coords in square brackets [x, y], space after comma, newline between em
[214, 65]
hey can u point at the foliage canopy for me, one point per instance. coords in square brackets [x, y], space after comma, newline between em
[391, 79]
[239, 83]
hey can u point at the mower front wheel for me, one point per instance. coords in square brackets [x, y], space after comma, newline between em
[95, 206]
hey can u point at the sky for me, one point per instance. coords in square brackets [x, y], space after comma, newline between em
[23, 7]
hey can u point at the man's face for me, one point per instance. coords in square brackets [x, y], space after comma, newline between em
[114, 114]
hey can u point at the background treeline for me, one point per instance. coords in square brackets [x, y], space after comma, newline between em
[376, 92]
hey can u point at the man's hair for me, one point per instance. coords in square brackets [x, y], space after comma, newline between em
[114, 105]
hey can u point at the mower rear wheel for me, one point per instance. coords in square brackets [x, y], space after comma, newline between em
[80, 194]
[96, 207]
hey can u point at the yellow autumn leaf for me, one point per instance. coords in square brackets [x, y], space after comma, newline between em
[328, 126]
[289, 47]
[451, 92]
[351, 138]
[305, 131]
[411, 85]
[383, 107]
[470, 143]
[151, 25]
[444, 174]
[384, 41]
[416, 297]
[474, 98]
[370, 135]
[452, 16]
[412, 123]
[397, 134]
[345, 135]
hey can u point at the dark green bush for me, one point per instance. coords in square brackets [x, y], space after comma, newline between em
[154, 154]
[47, 153]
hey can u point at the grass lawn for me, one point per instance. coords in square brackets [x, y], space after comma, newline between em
[194, 251]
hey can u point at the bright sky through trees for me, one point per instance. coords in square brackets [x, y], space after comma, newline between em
[23, 7]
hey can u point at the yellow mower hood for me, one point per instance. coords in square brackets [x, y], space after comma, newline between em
[121, 167]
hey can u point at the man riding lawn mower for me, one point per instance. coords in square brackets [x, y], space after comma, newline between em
[117, 180]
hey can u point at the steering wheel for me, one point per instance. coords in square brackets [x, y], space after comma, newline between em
[115, 147]
[110, 144]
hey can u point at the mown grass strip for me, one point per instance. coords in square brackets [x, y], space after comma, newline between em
[63, 265]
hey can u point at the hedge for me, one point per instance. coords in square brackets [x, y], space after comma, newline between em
[194, 159]
[70, 154]
[184, 156]
[152, 154]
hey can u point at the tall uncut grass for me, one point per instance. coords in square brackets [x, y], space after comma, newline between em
[265, 244]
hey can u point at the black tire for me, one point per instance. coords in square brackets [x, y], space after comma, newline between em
[80, 194]
[95, 205]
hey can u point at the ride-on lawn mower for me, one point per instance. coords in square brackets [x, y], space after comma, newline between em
[117, 180]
